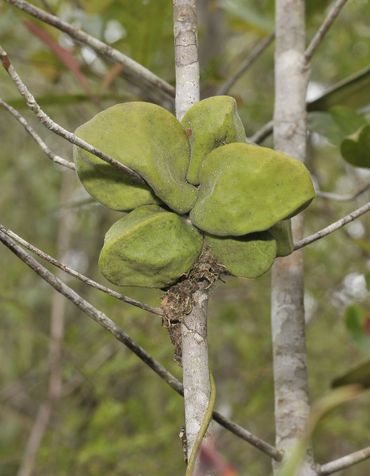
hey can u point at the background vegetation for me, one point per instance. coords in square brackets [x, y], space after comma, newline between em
[116, 416]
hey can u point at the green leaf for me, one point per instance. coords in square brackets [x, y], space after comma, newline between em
[367, 279]
[245, 188]
[359, 375]
[353, 92]
[356, 148]
[336, 124]
[356, 318]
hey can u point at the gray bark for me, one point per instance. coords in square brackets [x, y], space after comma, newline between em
[288, 320]
[194, 325]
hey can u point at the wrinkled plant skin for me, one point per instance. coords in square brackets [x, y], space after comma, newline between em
[150, 141]
[239, 210]
[246, 188]
[247, 256]
[149, 247]
[209, 124]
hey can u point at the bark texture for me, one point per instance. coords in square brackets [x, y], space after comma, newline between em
[288, 319]
[195, 366]
[186, 55]
[194, 325]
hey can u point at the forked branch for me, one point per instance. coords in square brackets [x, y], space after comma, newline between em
[43, 146]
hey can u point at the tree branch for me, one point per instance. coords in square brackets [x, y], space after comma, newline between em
[126, 340]
[333, 227]
[22, 120]
[56, 128]
[323, 30]
[260, 47]
[345, 462]
[292, 407]
[342, 198]
[196, 374]
[78, 275]
[133, 70]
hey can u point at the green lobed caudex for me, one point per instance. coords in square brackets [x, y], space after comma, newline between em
[110, 187]
[247, 256]
[147, 139]
[149, 247]
[282, 233]
[209, 124]
[246, 193]
[245, 188]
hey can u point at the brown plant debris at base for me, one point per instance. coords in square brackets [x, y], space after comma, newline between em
[178, 300]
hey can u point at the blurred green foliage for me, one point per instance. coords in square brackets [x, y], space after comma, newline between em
[116, 417]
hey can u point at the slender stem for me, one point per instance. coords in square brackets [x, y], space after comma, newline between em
[195, 366]
[323, 30]
[345, 462]
[53, 126]
[257, 51]
[78, 275]
[288, 323]
[134, 71]
[126, 340]
[336, 197]
[332, 227]
[43, 146]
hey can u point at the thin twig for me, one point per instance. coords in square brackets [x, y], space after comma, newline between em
[133, 70]
[323, 30]
[248, 436]
[22, 120]
[342, 198]
[53, 126]
[260, 47]
[345, 462]
[109, 325]
[356, 81]
[78, 275]
[262, 133]
[333, 227]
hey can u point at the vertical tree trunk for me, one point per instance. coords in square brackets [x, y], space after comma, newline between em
[194, 325]
[288, 320]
